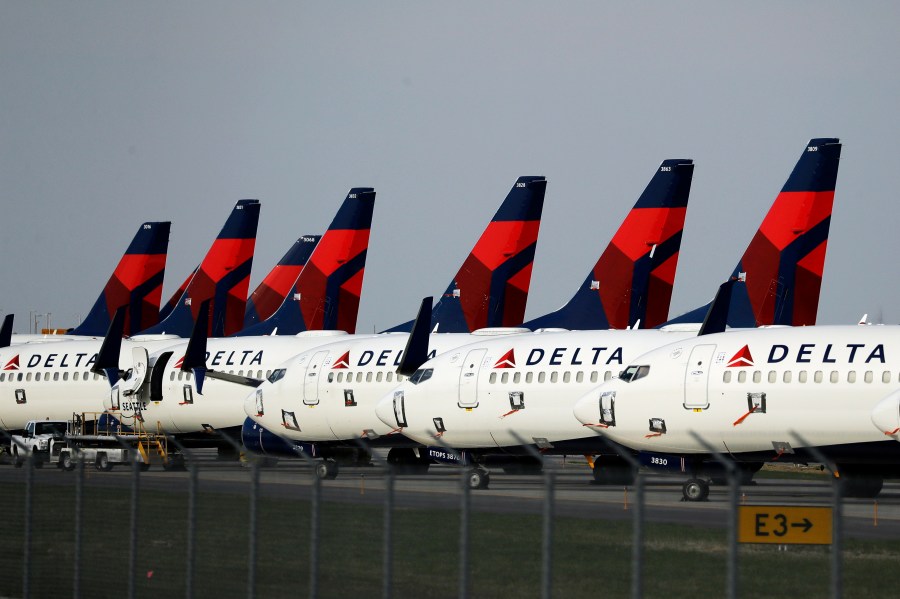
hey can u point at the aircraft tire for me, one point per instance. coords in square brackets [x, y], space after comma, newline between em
[695, 489]
[327, 470]
[478, 478]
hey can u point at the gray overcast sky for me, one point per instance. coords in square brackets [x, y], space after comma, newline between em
[115, 113]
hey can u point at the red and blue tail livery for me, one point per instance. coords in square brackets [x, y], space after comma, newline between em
[782, 267]
[223, 277]
[632, 281]
[167, 308]
[279, 283]
[136, 284]
[491, 288]
[326, 293]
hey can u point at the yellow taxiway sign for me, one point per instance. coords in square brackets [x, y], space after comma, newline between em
[781, 524]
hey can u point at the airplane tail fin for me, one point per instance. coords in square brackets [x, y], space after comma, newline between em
[223, 277]
[632, 281]
[326, 292]
[136, 283]
[279, 283]
[167, 308]
[491, 287]
[783, 264]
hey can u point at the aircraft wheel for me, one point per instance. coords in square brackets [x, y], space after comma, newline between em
[478, 478]
[695, 490]
[327, 470]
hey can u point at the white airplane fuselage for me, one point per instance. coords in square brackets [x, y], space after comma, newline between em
[481, 396]
[762, 391]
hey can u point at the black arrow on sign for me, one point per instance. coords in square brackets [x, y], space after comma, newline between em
[806, 525]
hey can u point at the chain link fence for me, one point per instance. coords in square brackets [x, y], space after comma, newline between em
[248, 528]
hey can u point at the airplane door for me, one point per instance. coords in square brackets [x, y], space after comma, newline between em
[140, 359]
[696, 377]
[468, 378]
[311, 380]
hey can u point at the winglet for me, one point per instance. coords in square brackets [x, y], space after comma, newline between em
[6, 331]
[416, 352]
[107, 361]
[717, 317]
[195, 354]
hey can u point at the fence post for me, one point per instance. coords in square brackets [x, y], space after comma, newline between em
[733, 499]
[387, 547]
[837, 519]
[79, 522]
[192, 515]
[637, 546]
[465, 506]
[548, 512]
[133, 522]
[26, 543]
[253, 533]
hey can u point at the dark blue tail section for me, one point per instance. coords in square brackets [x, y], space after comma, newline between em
[491, 287]
[223, 277]
[326, 293]
[632, 281]
[136, 284]
[279, 283]
[783, 265]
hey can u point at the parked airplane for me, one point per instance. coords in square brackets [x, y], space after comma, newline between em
[136, 283]
[277, 285]
[223, 276]
[760, 396]
[361, 371]
[491, 287]
[643, 253]
[476, 397]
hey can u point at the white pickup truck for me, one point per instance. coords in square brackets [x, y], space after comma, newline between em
[42, 438]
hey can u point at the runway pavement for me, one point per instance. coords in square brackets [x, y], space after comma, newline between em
[574, 493]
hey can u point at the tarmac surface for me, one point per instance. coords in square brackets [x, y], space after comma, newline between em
[574, 493]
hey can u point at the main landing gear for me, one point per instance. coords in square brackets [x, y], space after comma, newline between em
[695, 489]
[327, 470]
[478, 478]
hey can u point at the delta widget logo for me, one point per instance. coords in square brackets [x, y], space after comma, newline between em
[13, 364]
[508, 360]
[741, 359]
[343, 361]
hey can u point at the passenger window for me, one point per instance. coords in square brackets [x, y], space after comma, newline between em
[517, 377]
[607, 375]
[504, 378]
[55, 376]
[330, 377]
[390, 376]
[773, 376]
[868, 376]
[28, 377]
[493, 378]
[742, 376]
[726, 378]
[787, 376]
[579, 377]
[594, 376]
[851, 376]
[368, 377]
[540, 376]
[2, 376]
[817, 377]
[757, 376]
[554, 376]
[65, 376]
[379, 376]
[802, 376]
[886, 376]
[834, 377]
[529, 376]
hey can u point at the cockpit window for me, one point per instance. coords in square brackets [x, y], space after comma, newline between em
[633, 373]
[276, 375]
[421, 375]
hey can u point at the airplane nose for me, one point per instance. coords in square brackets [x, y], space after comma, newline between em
[587, 410]
[254, 404]
[886, 415]
[385, 409]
